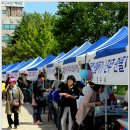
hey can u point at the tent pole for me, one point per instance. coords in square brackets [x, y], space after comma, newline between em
[86, 68]
[58, 74]
[105, 107]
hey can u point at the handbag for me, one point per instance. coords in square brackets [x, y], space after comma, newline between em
[16, 102]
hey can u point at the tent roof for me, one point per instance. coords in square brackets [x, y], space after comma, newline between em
[116, 44]
[51, 63]
[81, 49]
[100, 41]
[22, 65]
[44, 62]
[10, 67]
[67, 54]
[36, 61]
[4, 66]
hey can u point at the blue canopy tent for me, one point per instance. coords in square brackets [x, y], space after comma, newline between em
[99, 42]
[60, 55]
[16, 66]
[81, 49]
[51, 67]
[102, 59]
[22, 65]
[96, 44]
[36, 61]
[44, 62]
[72, 66]
[10, 67]
[109, 62]
[65, 55]
[118, 47]
[119, 39]
[4, 66]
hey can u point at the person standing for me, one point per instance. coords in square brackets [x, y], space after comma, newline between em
[85, 113]
[13, 92]
[40, 87]
[69, 93]
[57, 82]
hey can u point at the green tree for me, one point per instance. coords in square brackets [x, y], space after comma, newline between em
[81, 21]
[34, 37]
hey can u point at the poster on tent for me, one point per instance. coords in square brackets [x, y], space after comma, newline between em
[14, 74]
[50, 73]
[71, 69]
[110, 70]
[4, 76]
[32, 75]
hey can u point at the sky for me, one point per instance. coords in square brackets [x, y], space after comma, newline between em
[40, 7]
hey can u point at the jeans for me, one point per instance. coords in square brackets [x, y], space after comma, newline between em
[64, 117]
[34, 113]
[39, 112]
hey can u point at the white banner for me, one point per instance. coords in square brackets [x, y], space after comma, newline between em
[50, 73]
[110, 70]
[71, 69]
[14, 74]
[32, 75]
[4, 76]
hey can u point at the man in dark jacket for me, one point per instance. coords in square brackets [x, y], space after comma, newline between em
[40, 87]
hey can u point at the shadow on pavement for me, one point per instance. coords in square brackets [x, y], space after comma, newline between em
[25, 123]
[46, 125]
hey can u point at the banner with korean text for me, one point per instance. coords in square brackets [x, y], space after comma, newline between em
[110, 70]
[71, 69]
[32, 75]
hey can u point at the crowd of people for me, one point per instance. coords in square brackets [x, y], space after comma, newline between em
[71, 102]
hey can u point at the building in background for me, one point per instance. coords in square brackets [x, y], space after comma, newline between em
[12, 13]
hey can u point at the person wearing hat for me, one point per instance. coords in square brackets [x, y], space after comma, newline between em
[12, 92]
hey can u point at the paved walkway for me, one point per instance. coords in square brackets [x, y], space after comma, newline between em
[26, 120]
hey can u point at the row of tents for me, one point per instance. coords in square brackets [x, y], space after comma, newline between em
[107, 57]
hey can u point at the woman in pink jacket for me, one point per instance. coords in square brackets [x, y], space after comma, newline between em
[85, 114]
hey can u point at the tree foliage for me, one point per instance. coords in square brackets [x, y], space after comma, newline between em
[81, 21]
[34, 37]
[72, 25]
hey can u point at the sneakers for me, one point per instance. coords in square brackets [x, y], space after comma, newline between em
[15, 127]
[37, 122]
[34, 123]
[10, 127]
